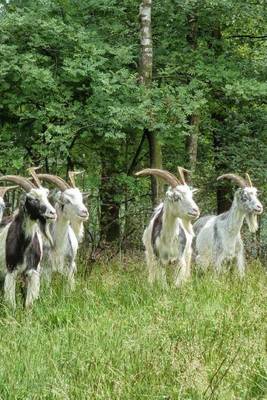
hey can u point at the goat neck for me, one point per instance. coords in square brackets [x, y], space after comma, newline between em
[30, 226]
[235, 218]
[169, 222]
[60, 227]
[2, 207]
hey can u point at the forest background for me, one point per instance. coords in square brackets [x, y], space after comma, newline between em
[99, 86]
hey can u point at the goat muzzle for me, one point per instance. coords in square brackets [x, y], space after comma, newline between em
[84, 215]
[194, 214]
[50, 216]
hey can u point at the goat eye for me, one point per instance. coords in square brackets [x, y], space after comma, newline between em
[176, 197]
[35, 201]
[246, 196]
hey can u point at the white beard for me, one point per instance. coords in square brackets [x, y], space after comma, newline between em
[252, 222]
[48, 234]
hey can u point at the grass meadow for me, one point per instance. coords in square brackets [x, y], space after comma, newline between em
[115, 337]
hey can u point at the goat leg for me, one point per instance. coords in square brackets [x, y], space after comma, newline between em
[240, 258]
[33, 287]
[10, 288]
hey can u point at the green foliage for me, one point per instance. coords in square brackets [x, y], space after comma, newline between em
[58, 80]
[70, 94]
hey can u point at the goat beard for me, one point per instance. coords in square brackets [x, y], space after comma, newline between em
[45, 229]
[252, 222]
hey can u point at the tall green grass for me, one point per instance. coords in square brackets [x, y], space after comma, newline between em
[115, 337]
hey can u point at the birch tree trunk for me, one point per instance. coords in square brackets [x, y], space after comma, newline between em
[145, 76]
[146, 55]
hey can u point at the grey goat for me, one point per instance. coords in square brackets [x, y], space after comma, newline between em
[218, 238]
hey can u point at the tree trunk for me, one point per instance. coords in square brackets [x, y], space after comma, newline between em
[110, 208]
[223, 188]
[146, 56]
[145, 76]
[155, 162]
[192, 139]
[223, 192]
[192, 142]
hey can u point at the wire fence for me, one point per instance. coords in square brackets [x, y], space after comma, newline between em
[132, 221]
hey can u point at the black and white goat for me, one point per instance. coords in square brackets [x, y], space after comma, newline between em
[67, 231]
[21, 240]
[168, 237]
[218, 238]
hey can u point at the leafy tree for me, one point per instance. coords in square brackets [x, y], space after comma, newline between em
[71, 97]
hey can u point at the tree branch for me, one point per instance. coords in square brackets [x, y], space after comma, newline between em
[247, 36]
[138, 151]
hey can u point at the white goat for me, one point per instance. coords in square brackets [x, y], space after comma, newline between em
[218, 238]
[3, 191]
[168, 237]
[21, 243]
[67, 231]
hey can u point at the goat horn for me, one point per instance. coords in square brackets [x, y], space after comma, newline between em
[235, 178]
[19, 180]
[163, 174]
[56, 180]
[181, 172]
[72, 177]
[4, 189]
[32, 172]
[248, 180]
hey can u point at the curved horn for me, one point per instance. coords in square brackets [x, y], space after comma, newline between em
[4, 189]
[71, 175]
[248, 180]
[235, 178]
[181, 172]
[56, 180]
[32, 172]
[19, 180]
[163, 174]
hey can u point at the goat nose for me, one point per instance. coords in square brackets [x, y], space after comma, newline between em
[259, 208]
[53, 213]
[84, 213]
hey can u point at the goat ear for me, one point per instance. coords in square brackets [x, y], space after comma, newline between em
[86, 195]
[22, 199]
[195, 190]
[58, 197]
